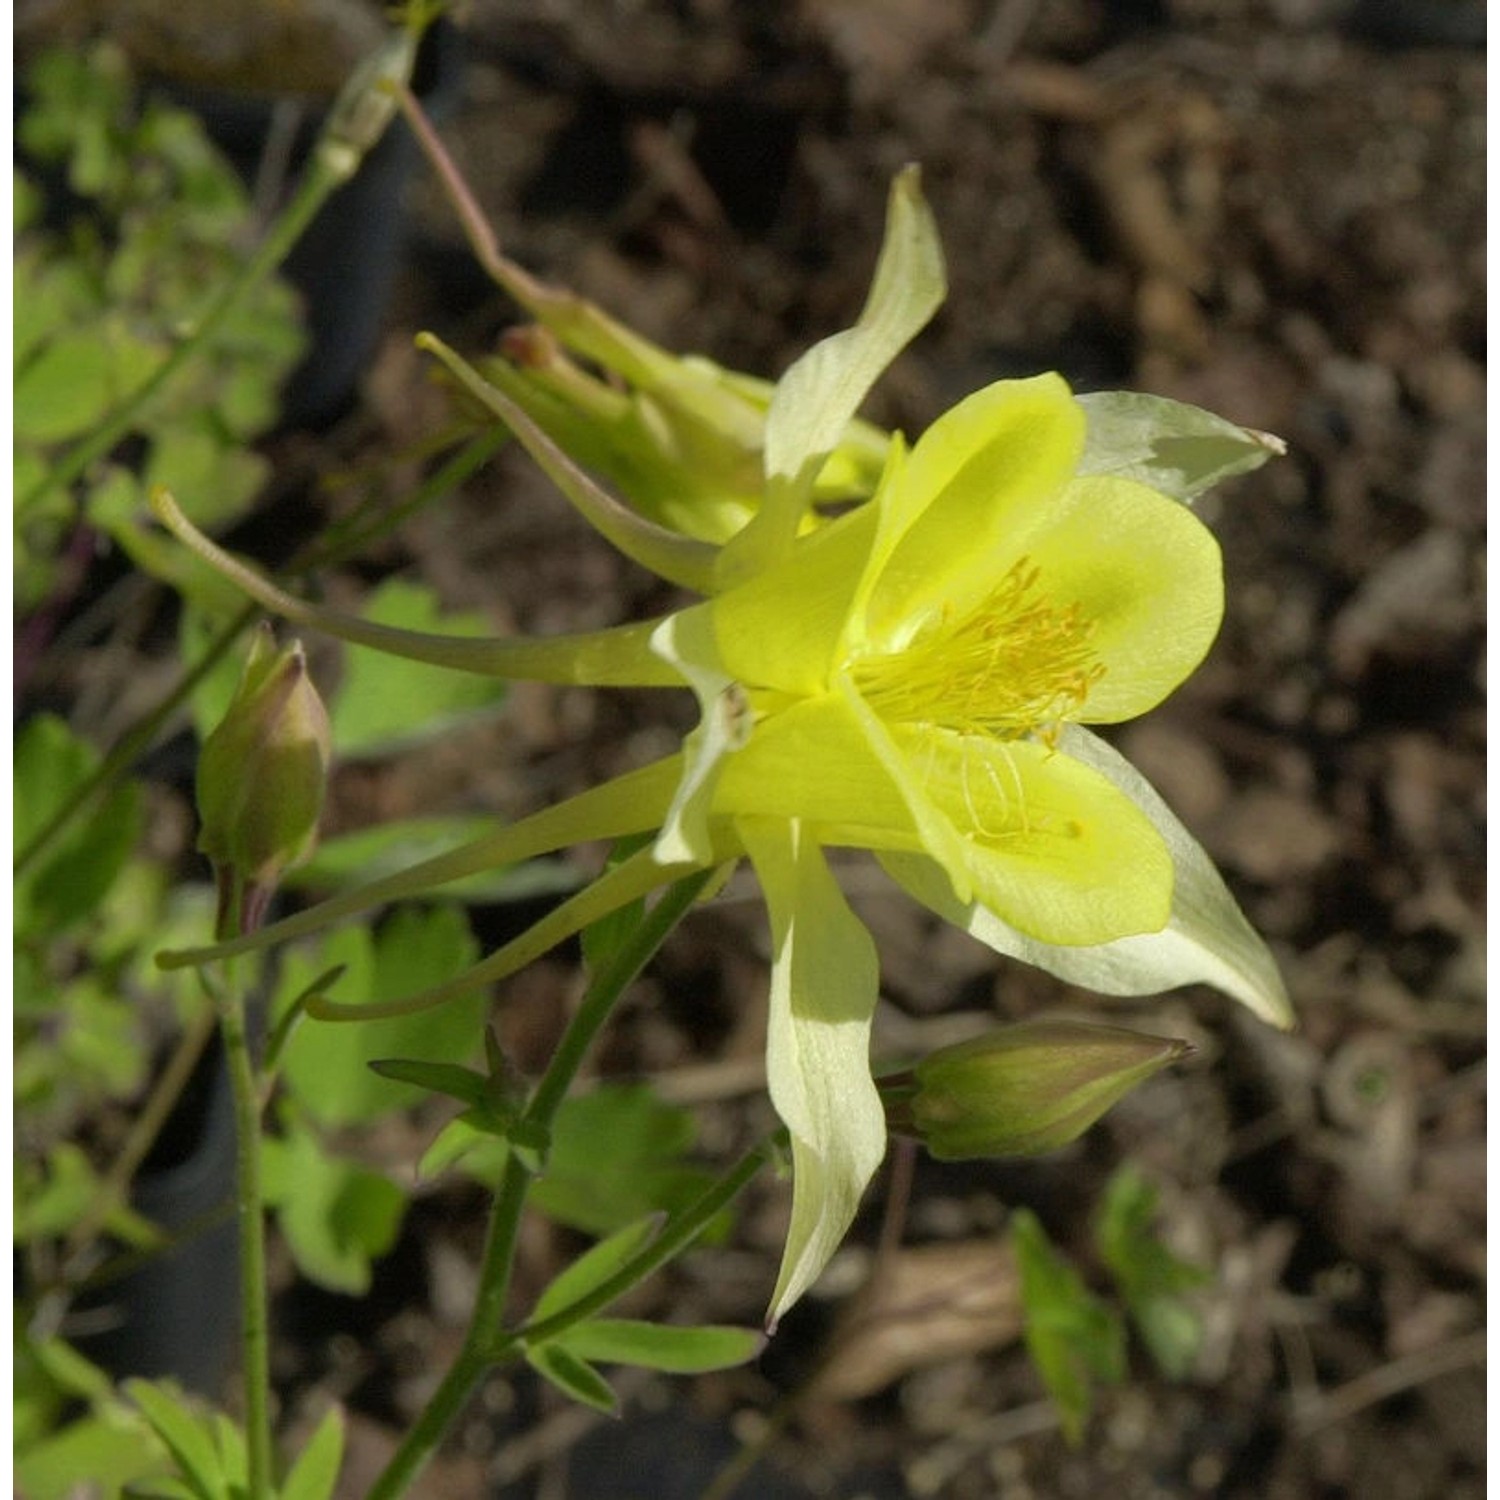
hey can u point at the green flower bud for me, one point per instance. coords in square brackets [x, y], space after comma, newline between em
[1022, 1090]
[262, 774]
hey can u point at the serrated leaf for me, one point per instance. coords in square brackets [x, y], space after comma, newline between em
[1174, 448]
[662, 1346]
[573, 1377]
[595, 1266]
[387, 703]
[1072, 1336]
[316, 1470]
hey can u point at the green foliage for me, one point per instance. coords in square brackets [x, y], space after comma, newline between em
[574, 1377]
[1074, 1337]
[338, 1217]
[209, 1451]
[595, 1266]
[67, 886]
[158, 224]
[617, 1153]
[316, 1470]
[326, 1065]
[387, 703]
[661, 1346]
[69, 1427]
[1152, 1281]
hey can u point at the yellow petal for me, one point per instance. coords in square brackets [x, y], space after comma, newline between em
[1053, 848]
[1147, 576]
[829, 762]
[978, 483]
[781, 628]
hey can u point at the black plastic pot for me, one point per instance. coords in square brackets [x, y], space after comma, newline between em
[347, 262]
[177, 1314]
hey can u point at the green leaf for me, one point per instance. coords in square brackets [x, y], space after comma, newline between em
[594, 1267]
[65, 389]
[55, 1205]
[188, 1438]
[1174, 448]
[316, 1471]
[387, 703]
[662, 1346]
[51, 764]
[616, 1154]
[1072, 1336]
[67, 1463]
[463, 1084]
[337, 1217]
[354, 859]
[1151, 1279]
[201, 463]
[574, 1378]
[326, 1064]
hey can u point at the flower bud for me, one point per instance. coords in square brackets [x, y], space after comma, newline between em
[262, 773]
[1024, 1089]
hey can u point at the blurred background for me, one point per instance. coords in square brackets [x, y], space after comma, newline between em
[1269, 208]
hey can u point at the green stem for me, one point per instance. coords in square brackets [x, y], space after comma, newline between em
[476, 1356]
[679, 1233]
[254, 1320]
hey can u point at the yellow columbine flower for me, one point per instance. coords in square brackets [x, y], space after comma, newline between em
[904, 682]
[912, 679]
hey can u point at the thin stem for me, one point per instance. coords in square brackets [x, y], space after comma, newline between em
[476, 1356]
[679, 1233]
[254, 1319]
[115, 1185]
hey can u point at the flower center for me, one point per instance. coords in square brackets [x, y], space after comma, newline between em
[1017, 665]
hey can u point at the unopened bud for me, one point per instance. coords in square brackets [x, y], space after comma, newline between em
[262, 773]
[1024, 1089]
